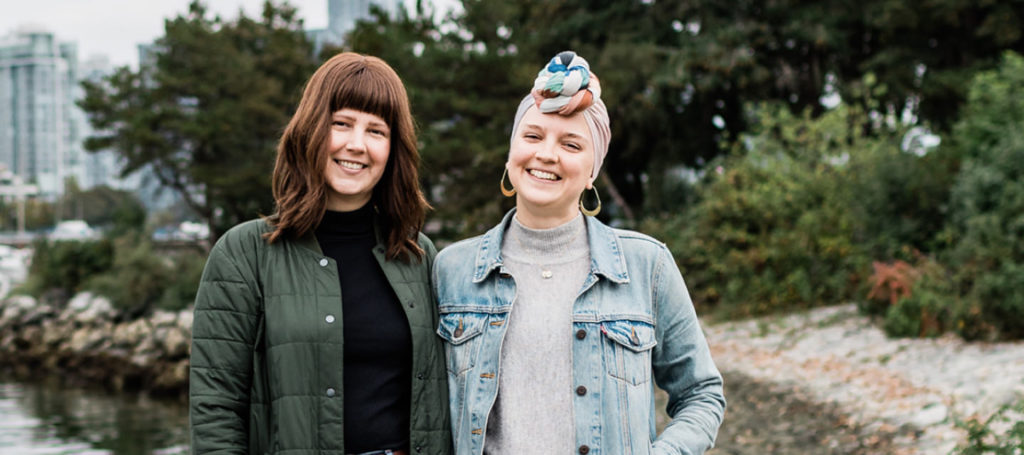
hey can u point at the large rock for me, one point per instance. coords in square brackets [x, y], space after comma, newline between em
[173, 341]
[56, 332]
[37, 314]
[130, 334]
[147, 347]
[88, 340]
[931, 414]
[171, 376]
[14, 307]
[86, 309]
[185, 320]
[163, 318]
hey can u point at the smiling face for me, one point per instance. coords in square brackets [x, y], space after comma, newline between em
[550, 162]
[358, 150]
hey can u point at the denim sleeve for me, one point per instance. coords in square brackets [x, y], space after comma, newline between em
[683, 367]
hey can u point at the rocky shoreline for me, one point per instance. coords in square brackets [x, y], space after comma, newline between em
[87, 341]
[826, 381]
[910, 390]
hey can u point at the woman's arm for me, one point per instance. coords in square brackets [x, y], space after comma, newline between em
[683, 367]
[223, 334]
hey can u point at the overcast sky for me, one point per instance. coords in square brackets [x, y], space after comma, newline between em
[115, 27]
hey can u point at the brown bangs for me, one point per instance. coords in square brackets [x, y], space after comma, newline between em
[366, 84]
[366, 91]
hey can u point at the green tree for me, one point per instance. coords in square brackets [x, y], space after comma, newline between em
[987, 208]
[105, 207]
[464, 99]
[206, 115]
[676, 77]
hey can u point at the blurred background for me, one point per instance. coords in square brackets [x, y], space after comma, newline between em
[856, 165]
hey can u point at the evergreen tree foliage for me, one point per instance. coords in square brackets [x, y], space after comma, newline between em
[206, 116]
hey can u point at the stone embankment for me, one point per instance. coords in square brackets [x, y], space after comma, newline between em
[88, 341]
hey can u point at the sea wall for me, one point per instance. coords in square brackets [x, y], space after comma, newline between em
[90, 342]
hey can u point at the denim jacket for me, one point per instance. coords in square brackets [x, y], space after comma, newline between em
[633, 321]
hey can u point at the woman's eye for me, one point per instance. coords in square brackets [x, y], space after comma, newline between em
[531, 136]
[572, 146]
[340, 123]
[380, 133]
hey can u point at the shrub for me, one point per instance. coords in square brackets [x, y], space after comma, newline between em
[65, 265]
[138, 277]
[1000, 434]
[181, 291]
[986, 232]
[890, 282]
[926, 311]
[899, 200]
[772, 229]
[999, 294]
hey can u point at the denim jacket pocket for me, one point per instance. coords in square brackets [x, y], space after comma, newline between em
[459, 330]
[627, 350]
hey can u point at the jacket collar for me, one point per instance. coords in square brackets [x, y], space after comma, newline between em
[605, 252]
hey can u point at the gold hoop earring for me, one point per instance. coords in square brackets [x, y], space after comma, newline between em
[595, 210]
[507, 192]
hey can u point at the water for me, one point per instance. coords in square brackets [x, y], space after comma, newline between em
[45, 418]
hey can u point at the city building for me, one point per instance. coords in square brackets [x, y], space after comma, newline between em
[102, 167]
[40, 125]
[342, 16]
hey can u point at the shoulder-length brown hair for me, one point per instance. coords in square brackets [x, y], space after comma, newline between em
[367, 84]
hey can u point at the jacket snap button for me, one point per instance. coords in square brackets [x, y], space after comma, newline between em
[458, 332]
[323, 262]
[581, 391]
[329, 318]
[330, 391]
[584, 450]
[419, 376]
[581, 334]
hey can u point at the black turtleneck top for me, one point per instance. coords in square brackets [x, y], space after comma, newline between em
[378, 342]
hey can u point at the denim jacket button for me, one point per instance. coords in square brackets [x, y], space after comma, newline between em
[581, 391]
[458, 332]
[584, 450]
[581, 334]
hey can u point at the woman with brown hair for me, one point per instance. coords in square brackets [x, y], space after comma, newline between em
[314, 327]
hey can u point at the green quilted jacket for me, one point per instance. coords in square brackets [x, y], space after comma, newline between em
[266, 366]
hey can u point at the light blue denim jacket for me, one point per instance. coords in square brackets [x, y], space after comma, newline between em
[632, 317]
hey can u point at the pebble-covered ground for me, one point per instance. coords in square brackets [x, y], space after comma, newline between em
[830, 382]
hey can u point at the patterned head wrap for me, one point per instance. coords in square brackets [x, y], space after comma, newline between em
[566, 86]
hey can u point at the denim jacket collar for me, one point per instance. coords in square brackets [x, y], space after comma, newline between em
[605, 254]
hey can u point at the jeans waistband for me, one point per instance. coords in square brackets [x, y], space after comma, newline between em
[383, 452]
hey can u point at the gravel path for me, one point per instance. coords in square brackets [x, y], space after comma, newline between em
[830, 382]
[767, 418]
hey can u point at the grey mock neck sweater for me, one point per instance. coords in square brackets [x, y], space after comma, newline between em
[533, 411]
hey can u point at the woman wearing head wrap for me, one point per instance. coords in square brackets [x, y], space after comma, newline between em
[314, 327]
[556, 326]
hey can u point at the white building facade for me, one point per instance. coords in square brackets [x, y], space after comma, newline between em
[40, 125]
[342, 16]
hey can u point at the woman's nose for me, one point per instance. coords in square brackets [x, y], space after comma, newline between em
[356, 141]
[547, 152]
